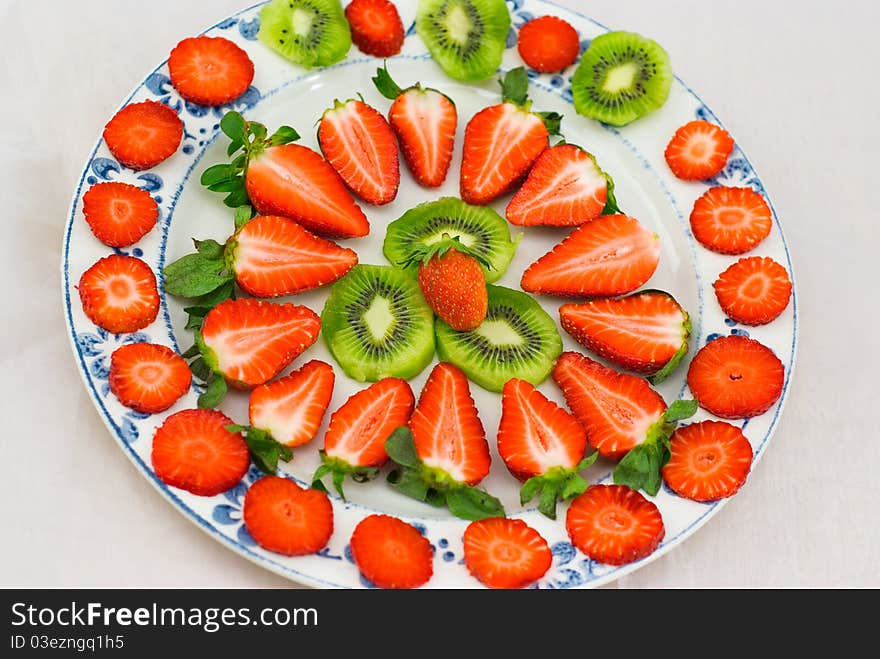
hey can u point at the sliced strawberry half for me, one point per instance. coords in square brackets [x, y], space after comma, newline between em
[274, 256]
[391, 553]
[376, 28]
[194, 451]
[646, 332]
[355, 440]
[292, 408]
[542, 445]
[730, 220]
[210, 70]
[286, 518]
[710, 460]
[698, 150]
[142, 135]
[119, 214]
[754, 290]
[614, 524]
[611, 255]
[119, 294]
[565, 188]
[505, 553]
[250, 341]
[736, 377]
[424, 121]
[148, 377]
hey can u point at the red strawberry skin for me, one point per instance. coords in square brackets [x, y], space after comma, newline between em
[251, 341]
[698, 150]
[501, 143]
[142, 135]
[611, 255]
[564, 188]
[296, 182]
[210, 70]
[446, 427]
[641, 332]
[730, 220]
[119, 294]
[454, 286]
[425, 121]
[119, 214]
[535, 434]
[391, 553]
[361, 146]
[292, 408]
[505, 553]
[616, 409]
[286, 518]
[376, 28]
[274, 256]
[754, 290]
[193, 450]
[148, 377]
[614, 524]
[359, 428]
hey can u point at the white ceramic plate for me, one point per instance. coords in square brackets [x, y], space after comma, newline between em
[285, 94]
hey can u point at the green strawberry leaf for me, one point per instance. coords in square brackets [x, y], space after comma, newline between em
[216, 174]
[640, 468]
[338, 480]
[385, 83]
[409, 482]
[200, 369]
[470, 503]
[284, 135]
[192, 351]
[265, 451]
[199, 274]
[547, 502]
[214, 392]
[673, 363]
[243, 215]
[515, 86]
[680, 409]
[401, 448]
[576, 484]
[611, 207]
[320, 472]
[552, 121]
[530, 489]
[237, 198]
[234, 126]
[204, 303]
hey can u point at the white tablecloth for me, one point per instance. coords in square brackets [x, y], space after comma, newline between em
[795, 87]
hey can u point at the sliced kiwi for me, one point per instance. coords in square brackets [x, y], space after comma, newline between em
[479, 227]
[307, 32]
[377, 324]
[621, 77]
[467, 38]
[518, 339]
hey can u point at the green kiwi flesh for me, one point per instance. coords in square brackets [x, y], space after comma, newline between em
[518, 339]
[376, 324]
[307, 32]
[622, 76]
[467, 38]
[478, 227]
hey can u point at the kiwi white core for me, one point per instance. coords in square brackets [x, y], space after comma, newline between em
[499, 333]
[620, 77]
[378, 318]
[301, 21]
[458, 25]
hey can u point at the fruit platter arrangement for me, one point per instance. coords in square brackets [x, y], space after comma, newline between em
[435, 293]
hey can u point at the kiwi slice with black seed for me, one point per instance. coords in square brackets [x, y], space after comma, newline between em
[622, 76]
[376, 324]
[307, 32]
[479, 227]
[518, 339]
[467, 38]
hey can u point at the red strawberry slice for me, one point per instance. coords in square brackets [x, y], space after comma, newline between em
[611, 255]
[195, 452]
[210, 70]
[286, 518]
[376, 28]
[645, 332]
[614, 524]
[148, 377]
[446, 427]
[119, 294]
[251, 341]
[142, 135]
[119, 214]
[355, 440]
[730, 220]
[361, 146]
[754, 290]
[710, 460]
[548, 44]
[275, 256]
[564, 188]
[294, 181]
[617, 410]
[698, 150]
[735, 377]
[505, 553]
[391, 553]
[292, 408]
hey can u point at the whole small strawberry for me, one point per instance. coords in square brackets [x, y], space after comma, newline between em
[452, 280]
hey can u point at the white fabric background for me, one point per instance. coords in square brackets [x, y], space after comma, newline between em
[795, 87]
